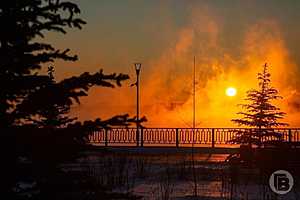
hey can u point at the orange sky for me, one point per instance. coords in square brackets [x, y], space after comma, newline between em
[225, 56]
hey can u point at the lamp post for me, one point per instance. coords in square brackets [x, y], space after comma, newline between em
[137, 70]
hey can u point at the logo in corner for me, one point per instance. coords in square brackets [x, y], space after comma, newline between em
[281, 182]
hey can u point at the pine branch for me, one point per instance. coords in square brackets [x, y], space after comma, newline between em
[53, 97]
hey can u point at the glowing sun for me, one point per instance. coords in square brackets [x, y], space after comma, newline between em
[231, 91]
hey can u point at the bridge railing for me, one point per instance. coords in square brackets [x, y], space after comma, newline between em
[179, 136]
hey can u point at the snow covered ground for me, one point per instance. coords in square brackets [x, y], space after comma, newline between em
[169, 176]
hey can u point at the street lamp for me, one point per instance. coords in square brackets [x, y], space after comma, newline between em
[137, 70]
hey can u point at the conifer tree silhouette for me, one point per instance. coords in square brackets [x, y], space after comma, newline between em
[52, 103]
[26, 95]
[21, 54]
[260, 114]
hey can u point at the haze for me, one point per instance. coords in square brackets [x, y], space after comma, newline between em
[230, 39]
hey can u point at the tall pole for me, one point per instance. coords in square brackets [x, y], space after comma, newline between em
[194, 94]
[194, 124]
[137, 105]
[137, 70]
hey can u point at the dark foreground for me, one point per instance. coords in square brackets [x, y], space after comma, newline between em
[116, 173]
[48, 172]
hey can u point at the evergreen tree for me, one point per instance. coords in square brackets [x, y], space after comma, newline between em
[22, 54]
[26, 95]
[260, 114]
[49, 106]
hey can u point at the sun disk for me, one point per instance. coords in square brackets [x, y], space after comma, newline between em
[230, 91]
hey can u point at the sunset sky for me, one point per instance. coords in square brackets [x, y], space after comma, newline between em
[230, 39]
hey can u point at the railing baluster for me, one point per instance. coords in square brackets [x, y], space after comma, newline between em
[177, 138]
[106, 132]
[213, 138]
[290, 135]
[142, 137]
[137, 137]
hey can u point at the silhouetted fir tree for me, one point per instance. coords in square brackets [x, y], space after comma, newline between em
[260, 114]
[20, 52]
[49, 106]
[28, 97]
[41, 104]
[25, 95]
